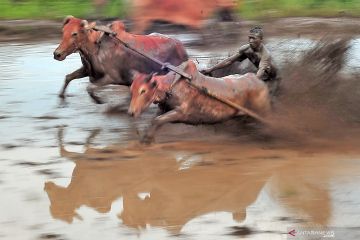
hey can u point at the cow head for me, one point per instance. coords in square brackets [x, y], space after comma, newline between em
[146, 89]
[74, 35]
[143, 89]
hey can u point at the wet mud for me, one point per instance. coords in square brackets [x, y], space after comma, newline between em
[318, 99]
[76, 170]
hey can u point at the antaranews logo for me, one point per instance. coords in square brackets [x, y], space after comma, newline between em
[292, 232]
[308, 232]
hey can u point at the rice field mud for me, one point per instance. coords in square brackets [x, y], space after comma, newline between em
[76, 170]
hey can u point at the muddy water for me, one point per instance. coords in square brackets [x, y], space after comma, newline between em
[71, 170]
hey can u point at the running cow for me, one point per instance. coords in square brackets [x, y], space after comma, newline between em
[184, 12]
[107, 61]
[185, 103]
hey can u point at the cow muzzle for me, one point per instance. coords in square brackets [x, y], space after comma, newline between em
[59, 56]
[133, 112]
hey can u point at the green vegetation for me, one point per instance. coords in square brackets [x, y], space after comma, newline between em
[57, 9]
[284, 8]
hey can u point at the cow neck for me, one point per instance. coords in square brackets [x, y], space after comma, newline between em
[160, 96]
[89, 49]
[163, 90]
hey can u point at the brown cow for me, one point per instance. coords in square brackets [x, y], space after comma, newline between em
[187, 104]
[184, 12]
[106, 61]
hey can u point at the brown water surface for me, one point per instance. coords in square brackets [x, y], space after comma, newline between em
[70, 170]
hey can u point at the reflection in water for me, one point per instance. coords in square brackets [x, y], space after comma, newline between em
[156, 191]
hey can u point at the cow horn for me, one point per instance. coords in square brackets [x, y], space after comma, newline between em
[153, 84]
[177, 77]
[84, 23]
[148, 77]
[184, 65]
[67, 19]
[90, 25]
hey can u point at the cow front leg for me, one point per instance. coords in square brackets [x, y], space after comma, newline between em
[172, 116]
[92, 136]
[100, 83]
[80, 73]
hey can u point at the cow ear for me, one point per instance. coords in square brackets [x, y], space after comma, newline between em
[84, 24]
[67, 19]
[134, 73]
[153, 84]
[184, 65]
[149, 77]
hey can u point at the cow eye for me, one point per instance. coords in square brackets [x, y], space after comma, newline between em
[142, 91]
[74, 34]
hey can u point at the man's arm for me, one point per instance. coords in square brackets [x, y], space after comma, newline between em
[261, 72]
[239, 56]
[264, 66]
[228, 61]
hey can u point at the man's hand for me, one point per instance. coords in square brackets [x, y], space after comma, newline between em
[206, 72]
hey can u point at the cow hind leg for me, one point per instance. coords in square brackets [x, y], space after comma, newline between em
[261, 103]
[91, 89]
[100, 83]
[91, 137]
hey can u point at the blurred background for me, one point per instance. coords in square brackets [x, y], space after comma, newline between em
[247, 9]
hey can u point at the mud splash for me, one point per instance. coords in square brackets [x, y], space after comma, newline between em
[318, 99]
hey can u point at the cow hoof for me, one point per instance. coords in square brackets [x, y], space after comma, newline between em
[61, 95]
[120, 109]
[147, 140]
[98, 101]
